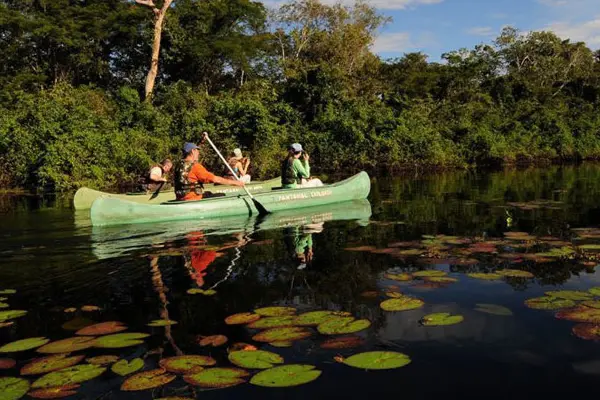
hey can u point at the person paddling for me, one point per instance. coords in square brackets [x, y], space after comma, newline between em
[190, 175]
[157, 176]
[296, 173]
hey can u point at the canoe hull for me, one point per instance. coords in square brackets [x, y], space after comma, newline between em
[84, 197]
[111, 211]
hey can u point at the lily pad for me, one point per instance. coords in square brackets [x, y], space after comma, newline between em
[429, 273]
[399, 277]
[241, 318]
[217, 378]
[7, 363]
[188, 364]
[587, 331]
[548, 303]
[282, 334]
[69, 376]
[124, 367]
[402, 304]
[580, 314]
[240, 346]
[90, 308]
[162, 322]
[275, 311]
[272, 322]
[24, 344]
[258, 359]
[313, 318]
[70, 310]
[345, 342]
[147, 380]
[13, 388]
[378, 360]
[214, 340]
[441, 319]
[494, 309]
[11, 314]
[48, 364]
[120, 340]
[4, 305]
[282, 344]
[370, 294]
[4, 292]
[207, 292]
[6, 324]
[286, 376]
[54, 392]
[103, 360]
[441, 279]
[342, 326]
[595, 291]
[67, 345]
[394, 295]
[515, 273]
[486, 277]
[575, 295]
[103, 328]
[591, 303]
[590, 247]
[77, 323]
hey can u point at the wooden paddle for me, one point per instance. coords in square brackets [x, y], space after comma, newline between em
[160, 186]
[261, 209]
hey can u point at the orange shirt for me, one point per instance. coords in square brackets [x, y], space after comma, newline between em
[198, 174]
[201, 259]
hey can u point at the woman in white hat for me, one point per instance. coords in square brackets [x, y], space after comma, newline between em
[240, 165]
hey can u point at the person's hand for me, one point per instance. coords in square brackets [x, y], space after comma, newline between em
[309, 255]
[239, 183]
[305, 156]
[163, 180]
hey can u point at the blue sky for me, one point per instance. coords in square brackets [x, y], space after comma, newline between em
[438, 26]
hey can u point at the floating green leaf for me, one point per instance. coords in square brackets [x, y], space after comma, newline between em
[44, 365]
[13, 388]
[90, 308]
[102, 360]
[54, 392]
[258, 359]
[69, 376]
[11, 314]
[441, 279]
[342, 326]
[272, 322]
[591, 303]
[4, 292]
[486, 277]
[162, 322]
[286, 376]
[441, 319]
[207, 292]
[217, 378]
[345, 342]
[399, 277]
[282, 344]
[575, 295]
[282, 335]
[275, 311]
[313, 318]
[24, 344]
[214, 340]
[590, 247]
[402, 304]
[241, 318]
[515, 273]
[548, 303]
[429, 273]
[67, 345]
[7, 363]
[378, 360]
[188, 364]
[124, 367]
[587, 331]
[493, 309]
[595, 291]
[120, 340]
[77, 324]
[580, 314]
[147, 380]
[104, 328]
[4, 305]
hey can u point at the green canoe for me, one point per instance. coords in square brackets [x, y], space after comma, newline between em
[84, 197]
[117, 241]
[112, 211]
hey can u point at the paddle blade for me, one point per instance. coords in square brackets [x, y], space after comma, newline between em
[261, 209]
[160, 186]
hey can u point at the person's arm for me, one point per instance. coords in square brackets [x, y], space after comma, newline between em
[224, 181]
[204, 176]
[156, 175]
[301, 169]
[242, 168]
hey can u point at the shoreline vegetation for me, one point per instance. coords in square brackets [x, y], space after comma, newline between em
[76, 108]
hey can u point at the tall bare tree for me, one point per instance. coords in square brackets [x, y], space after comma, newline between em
[159, 18]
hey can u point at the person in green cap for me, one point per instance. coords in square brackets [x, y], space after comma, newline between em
[295, 173]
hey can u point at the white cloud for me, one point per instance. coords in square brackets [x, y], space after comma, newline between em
[380, 4]
[587, 31]
[481, 31]
[397, 42]
[553, 3]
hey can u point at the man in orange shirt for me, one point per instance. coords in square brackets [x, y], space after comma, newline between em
[190, 175]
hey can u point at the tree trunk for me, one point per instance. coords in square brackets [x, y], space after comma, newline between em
[159, 18]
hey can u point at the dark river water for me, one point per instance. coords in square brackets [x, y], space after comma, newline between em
[345, 257]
